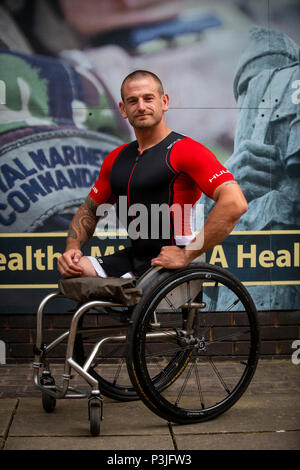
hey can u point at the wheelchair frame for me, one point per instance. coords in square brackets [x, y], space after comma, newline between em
[51, 391]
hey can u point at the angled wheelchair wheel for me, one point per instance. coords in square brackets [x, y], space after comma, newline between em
[114, 382]
[110, 367]
[111, 372]
[203, 315]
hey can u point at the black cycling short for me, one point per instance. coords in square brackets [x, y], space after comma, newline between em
[124, 261]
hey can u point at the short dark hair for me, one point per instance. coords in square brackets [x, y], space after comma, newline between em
[139, 74]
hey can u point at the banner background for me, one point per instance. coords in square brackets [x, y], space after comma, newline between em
[234, 88]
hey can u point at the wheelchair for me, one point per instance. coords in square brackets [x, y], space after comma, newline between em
[188, 349]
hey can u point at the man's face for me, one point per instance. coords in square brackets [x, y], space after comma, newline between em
[143, 105]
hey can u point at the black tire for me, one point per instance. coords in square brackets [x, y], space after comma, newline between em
[95, 417]
[114, 381]
[113, 378]
[49, 402]
[221, 353]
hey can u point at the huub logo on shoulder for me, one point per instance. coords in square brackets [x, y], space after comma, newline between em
[216, 175]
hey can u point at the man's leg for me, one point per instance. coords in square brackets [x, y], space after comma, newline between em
[92, 267]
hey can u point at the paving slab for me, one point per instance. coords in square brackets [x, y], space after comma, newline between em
[90, 443]
[70, 418]
[275, 376]
[132, 418]
[7, 409]
[241, 441]
[252, 413]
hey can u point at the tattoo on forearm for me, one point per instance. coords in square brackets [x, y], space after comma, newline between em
[84, 222]
[72, 233]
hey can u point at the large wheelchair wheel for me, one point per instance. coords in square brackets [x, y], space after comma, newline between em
[114, 381]
[205, 316]
[110, 368]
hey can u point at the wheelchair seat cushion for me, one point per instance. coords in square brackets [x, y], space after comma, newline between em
[83, 289]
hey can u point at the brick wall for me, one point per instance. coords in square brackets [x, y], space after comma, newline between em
[278, 331]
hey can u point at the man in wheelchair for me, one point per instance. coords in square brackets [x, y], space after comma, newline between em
[161, 167]
[168, 338]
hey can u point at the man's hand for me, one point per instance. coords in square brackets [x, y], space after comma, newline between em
[80, 231]
[172, 257]
[68, 263]
[230, 205]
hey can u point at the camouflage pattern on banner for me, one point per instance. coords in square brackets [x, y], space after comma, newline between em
[46, 174]
[57, 125]
[42, 91]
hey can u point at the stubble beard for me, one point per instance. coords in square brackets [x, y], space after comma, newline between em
[141, 124]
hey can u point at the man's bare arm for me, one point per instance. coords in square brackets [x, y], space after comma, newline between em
[83, 224]
[230, 205]
[81, 230]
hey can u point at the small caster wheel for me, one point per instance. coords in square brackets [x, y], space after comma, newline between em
[95, 413]
[95, 417]
[48, 402]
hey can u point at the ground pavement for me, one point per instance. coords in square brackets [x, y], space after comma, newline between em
[267, 417]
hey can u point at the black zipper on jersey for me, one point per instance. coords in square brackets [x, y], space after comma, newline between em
[129, 180]
[130, 177]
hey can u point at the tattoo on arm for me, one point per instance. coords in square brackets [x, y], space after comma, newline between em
[84, 222]
[219, 189]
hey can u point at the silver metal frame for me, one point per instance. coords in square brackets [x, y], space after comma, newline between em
[41, 361]
[118, 333]
[41, 350]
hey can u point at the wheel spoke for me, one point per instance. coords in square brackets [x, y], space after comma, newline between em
[199, 386]
[170, 351]
[219, 376]
[229, 336]
[118, 371]
[188, 374]
[232, 305]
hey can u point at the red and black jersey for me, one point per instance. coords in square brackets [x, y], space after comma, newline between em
[174, 172]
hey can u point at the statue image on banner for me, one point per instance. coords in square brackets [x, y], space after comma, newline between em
[267, 139]
[266, 158]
